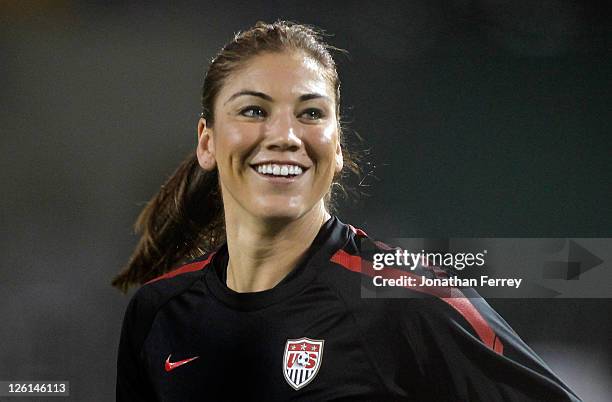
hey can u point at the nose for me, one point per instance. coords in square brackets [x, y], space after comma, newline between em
[282, 133]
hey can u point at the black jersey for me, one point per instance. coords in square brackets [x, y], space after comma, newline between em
[187, 337]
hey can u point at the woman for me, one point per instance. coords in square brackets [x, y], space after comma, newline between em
[274, 311]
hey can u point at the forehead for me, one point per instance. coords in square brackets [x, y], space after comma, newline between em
[279, 75]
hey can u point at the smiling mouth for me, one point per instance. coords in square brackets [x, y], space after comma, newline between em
[279, 170]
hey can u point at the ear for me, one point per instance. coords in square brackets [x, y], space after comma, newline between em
[206, 146]
[339, 158]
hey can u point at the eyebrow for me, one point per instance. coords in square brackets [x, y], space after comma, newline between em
[267, 97]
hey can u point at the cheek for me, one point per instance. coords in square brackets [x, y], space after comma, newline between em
[235, 143]
[330, 134]
[326, 141]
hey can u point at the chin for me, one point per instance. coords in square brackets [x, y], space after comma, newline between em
[280, 210]
[280, 214]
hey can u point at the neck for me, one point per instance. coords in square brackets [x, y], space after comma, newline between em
[263, 251]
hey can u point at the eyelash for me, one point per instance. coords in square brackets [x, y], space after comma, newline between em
[251, 108]
[318, 111]
[244, 111]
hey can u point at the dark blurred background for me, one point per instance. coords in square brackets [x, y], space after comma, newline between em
[483, 118]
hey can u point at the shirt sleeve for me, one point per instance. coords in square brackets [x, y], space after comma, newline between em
[132, 384]
[467, 352]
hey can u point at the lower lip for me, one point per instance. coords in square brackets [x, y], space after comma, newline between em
[279, 179]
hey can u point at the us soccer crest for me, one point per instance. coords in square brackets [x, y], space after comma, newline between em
[302, 361]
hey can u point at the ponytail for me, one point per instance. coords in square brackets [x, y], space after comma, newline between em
[181, 222]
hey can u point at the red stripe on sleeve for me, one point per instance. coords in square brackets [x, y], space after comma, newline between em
[194, 266]
[358, 232]
[451, 296]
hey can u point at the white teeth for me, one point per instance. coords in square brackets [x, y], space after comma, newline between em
[279, 170]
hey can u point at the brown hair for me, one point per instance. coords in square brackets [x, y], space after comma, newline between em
[185, 218]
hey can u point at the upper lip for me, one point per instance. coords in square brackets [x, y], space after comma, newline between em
[277, 162]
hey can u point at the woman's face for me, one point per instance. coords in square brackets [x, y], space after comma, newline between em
[275, 137]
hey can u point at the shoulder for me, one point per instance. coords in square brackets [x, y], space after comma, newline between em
[154, 294]
[176, 280]
[435, 306]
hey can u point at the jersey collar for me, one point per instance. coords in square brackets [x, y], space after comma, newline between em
[332, 236]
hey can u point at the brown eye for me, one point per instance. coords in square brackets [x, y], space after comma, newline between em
[253, 111]
[312, 114]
